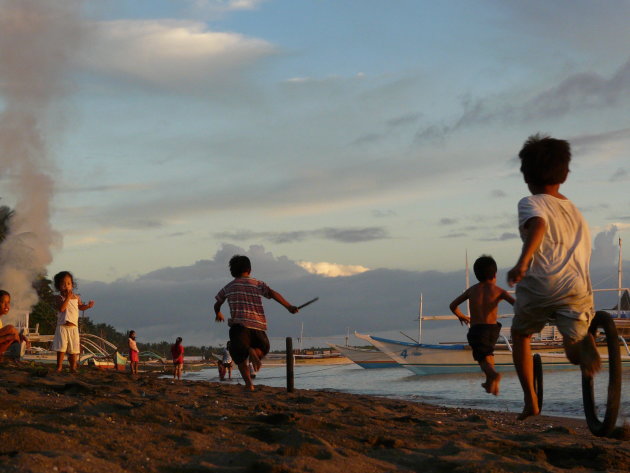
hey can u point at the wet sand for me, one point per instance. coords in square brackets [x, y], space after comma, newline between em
[109, 422]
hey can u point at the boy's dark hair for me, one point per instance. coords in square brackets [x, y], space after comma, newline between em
[485, 268]
[4, 293]
[545, 160]
[178, 340]
[59, 278]
[131, 332]
[239, 264]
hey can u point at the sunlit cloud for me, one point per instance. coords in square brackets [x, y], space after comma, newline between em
[169, 53]
[343, 235]
[332, 270]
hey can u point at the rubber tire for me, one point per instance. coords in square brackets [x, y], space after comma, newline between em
[538, 379]
[606, 426]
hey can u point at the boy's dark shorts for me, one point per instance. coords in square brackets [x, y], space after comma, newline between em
[243, 338]
[482, 339]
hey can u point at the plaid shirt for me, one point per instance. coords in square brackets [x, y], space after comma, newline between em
[243, 296]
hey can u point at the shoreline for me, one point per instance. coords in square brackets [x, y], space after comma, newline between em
[100, 421]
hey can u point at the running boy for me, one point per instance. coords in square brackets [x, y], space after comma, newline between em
[484, 329]
[247, 316]
[553, 270]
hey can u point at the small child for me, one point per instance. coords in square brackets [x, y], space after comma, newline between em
[552, 271]
[67, 332]
[8, 334]
[484, 329]
[177, 352]
[248, 324]
[226, 363]
[134, 354]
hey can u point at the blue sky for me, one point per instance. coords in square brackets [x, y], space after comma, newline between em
[344, 136]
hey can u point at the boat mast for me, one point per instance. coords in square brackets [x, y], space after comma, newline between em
[619, 280]
[467, 285]
[420, 321]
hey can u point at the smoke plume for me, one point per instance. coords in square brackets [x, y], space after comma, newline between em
[37, 41]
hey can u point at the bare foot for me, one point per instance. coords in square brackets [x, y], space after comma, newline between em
[529, 411]
[590, 361]
[486, 386]
[250, 388]
[253, 357]
[493, 384]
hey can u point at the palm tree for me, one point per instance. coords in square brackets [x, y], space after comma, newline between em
[6, 214]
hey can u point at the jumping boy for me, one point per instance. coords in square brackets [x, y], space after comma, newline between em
[248, 339]
[484, 329]
[553, 270]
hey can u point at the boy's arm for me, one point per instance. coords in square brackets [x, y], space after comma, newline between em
[507, 297]
[463, 319]
[535, 227]
[217, 311]
[276, 296]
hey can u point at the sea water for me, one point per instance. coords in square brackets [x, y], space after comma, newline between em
[562, 388]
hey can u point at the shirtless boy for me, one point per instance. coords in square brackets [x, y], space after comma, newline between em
[484, 329]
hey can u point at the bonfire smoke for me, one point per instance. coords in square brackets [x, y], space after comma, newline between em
[37, 41]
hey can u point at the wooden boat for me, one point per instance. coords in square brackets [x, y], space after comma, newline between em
[366, 358]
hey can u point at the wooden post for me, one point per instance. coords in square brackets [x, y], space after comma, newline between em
[289, 365]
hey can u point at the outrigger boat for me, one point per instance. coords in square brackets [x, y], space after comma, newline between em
[95, 351]
[443, 358]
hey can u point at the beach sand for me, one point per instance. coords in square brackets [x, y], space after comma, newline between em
[109, 422]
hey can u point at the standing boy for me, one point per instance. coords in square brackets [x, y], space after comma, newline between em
[484, 329]
[248, 324]
[553, 270]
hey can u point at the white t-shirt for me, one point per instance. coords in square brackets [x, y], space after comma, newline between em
[71, 314]
[558, 277]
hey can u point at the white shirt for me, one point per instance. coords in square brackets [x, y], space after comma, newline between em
[71, 314]
[559, 274]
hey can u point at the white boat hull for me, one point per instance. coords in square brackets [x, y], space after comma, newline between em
[424, 359]
[368, 359]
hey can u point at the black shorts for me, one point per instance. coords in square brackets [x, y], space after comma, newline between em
[482, 339]
[243, 338]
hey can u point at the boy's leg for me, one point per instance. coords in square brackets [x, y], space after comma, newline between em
[60, 356]
[72, 360]
[492, 377]
[524, 364]
[255, 356]
[243, 367]
[8, 336]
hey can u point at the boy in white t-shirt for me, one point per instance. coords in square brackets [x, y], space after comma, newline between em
[553, 270]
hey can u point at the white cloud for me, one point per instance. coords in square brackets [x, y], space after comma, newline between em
[223, 6]
[332, 270]
[169, 53]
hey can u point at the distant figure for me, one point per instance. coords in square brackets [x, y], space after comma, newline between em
[8, 334]
[134, 354]
[252, 370]
[484, 329]
[552, 271]
[177, 351]
[67, 332]
[248, 339]
[225, 365]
